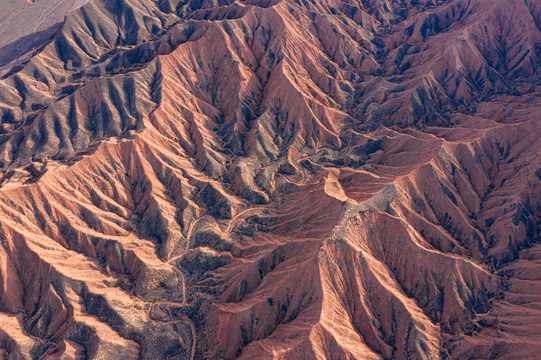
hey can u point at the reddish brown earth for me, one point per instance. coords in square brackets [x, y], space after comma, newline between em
[313, 179]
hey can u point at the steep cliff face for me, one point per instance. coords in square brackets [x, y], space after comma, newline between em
[273, 180]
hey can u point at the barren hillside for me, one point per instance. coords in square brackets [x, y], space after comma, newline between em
[271, 179]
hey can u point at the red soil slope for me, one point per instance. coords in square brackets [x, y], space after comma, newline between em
[274, 180]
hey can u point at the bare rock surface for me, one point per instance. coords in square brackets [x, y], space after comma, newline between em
[270, 179]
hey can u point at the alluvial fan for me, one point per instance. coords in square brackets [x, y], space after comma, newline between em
[270, 179]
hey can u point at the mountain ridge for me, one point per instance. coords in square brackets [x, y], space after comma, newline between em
[296, 179]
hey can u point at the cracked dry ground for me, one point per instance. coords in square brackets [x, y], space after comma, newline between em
[274, 179]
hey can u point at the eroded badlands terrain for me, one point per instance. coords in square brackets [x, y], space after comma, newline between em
[313, 179]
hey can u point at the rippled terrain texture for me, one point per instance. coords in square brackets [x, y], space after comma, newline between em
[270, 179]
